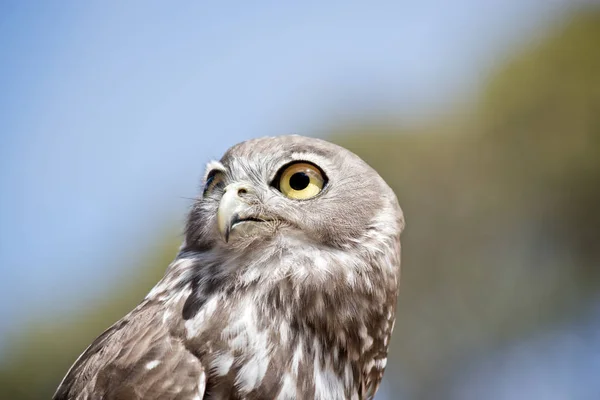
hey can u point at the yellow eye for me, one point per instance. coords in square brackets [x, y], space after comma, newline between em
[301, 181]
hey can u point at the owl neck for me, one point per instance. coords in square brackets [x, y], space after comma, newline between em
[326, 292]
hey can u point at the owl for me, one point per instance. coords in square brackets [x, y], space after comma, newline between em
[285, 287]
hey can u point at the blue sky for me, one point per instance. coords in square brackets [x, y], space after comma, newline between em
[108, 113]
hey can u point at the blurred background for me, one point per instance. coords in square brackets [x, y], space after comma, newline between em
[484, 116]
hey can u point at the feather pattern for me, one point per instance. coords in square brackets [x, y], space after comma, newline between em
[300, 305]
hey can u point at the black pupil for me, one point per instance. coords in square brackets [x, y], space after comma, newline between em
[299, 181]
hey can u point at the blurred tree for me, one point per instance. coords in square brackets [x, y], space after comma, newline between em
[542, 116]
[502, 210]
[502, 214]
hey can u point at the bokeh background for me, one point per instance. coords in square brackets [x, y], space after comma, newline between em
[484, 116]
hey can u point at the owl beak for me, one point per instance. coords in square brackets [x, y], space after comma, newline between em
[231, 209]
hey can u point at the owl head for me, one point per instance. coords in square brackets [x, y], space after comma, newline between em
[292, 190]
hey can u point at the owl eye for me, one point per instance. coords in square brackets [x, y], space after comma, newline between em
[214, 179]
[300, 181]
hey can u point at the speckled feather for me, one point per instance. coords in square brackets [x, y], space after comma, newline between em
[301, 307]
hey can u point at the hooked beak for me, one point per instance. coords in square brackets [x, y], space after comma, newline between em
[233, 210]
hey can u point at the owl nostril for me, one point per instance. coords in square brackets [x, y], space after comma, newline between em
[242, 191]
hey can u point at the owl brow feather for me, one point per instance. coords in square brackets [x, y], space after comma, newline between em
[349, 177]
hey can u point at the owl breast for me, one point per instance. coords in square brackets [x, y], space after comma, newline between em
[256, 348]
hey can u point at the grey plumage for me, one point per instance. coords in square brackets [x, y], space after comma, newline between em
[280, 290]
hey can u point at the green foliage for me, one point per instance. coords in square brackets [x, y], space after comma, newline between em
[501, 210]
